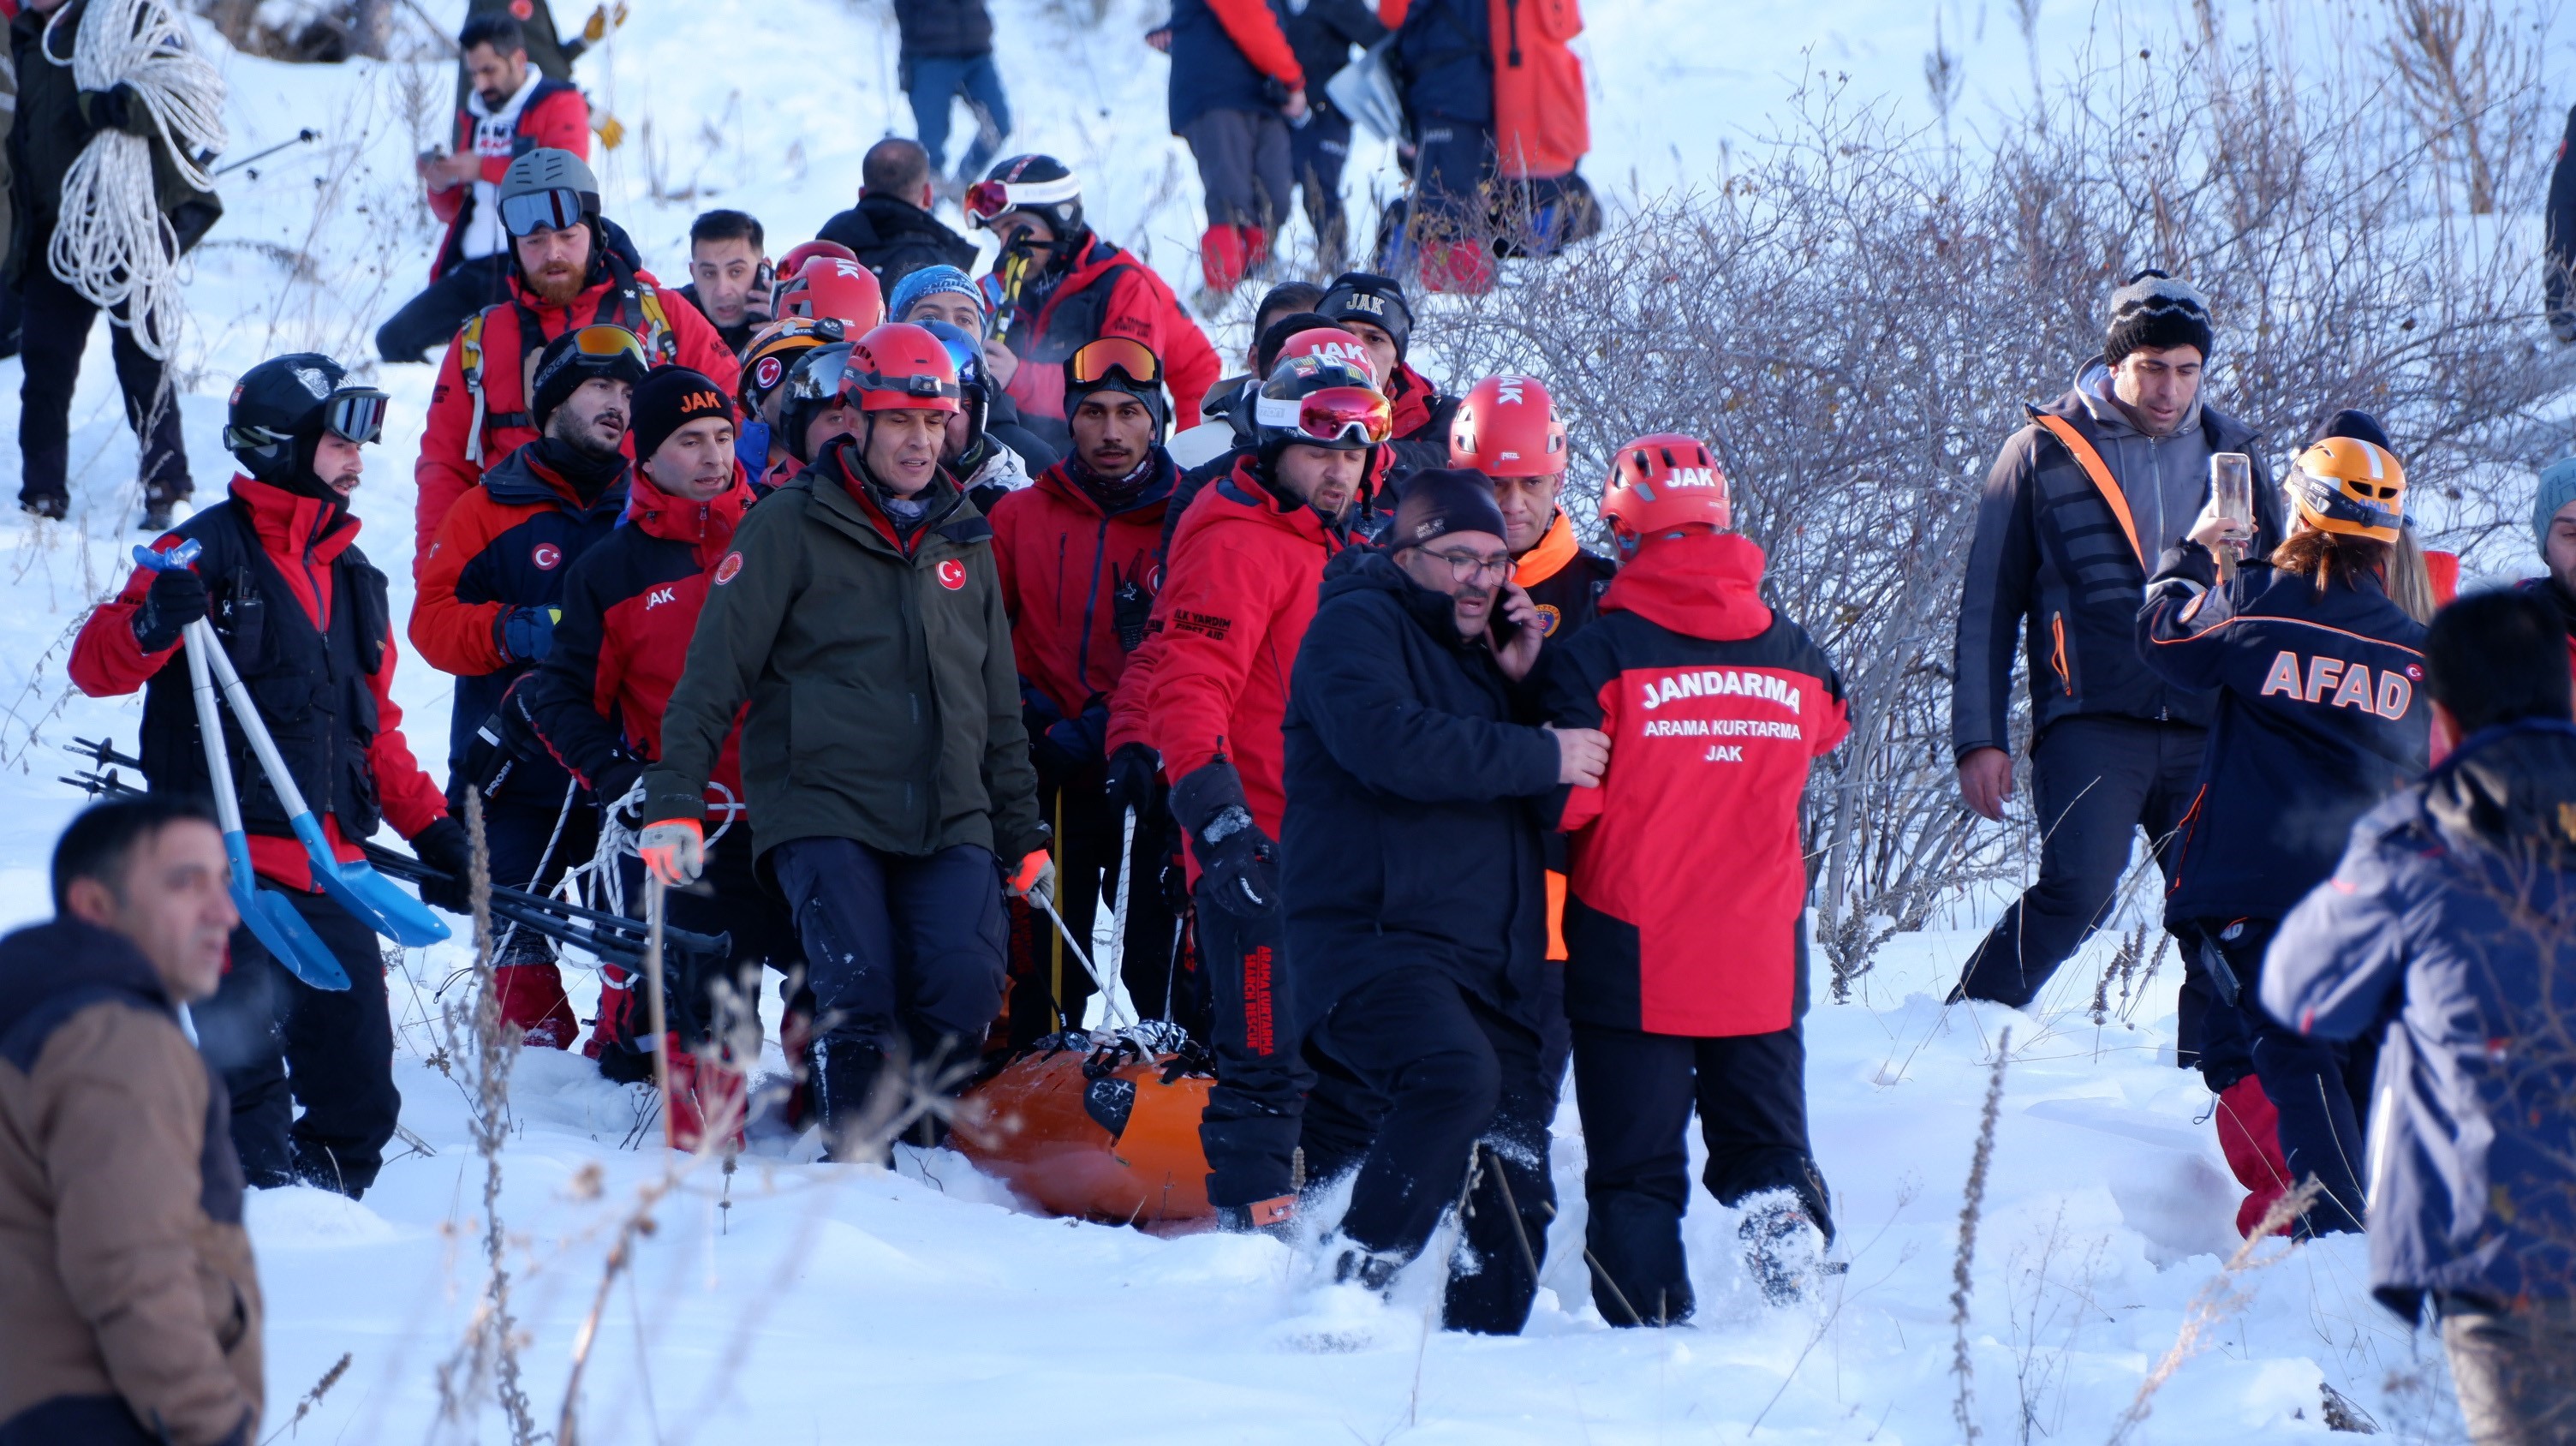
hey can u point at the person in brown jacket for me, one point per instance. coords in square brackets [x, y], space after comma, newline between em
[133, 1307]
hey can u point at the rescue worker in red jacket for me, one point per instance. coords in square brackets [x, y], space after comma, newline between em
[490, 593]
[1507, 428]
[511, 109]
[1373, 308]
[1715, 706]
[1238, 591]
[1077, 555]
[1057, 286]
[630, 605]
[302, 615]
[570, 267]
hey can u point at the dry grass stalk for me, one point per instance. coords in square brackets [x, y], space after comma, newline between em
[312, 1398]
[2216, 1301]
[1971, 1207]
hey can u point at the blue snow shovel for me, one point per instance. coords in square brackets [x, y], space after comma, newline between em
[374, 899]
[271, 918]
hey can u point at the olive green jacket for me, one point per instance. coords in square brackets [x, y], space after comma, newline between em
[884, 700]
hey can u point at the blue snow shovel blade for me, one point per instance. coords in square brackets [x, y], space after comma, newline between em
[274, 922]
[378, 902]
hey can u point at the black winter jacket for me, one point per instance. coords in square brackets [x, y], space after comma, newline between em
[2320, 715]
[53, 127]
[2052, 564]
[895, 238]
[1413, 768]
[1322, 32]
[949, 28]
[2558, 246]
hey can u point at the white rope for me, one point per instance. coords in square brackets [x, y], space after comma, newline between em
[111, 243]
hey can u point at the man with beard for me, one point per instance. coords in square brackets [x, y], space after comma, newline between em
[570, 267]
[855, 632]
[1237, 595]
[302, 616]
[510, 110]
[490, 594]
[1077, 555]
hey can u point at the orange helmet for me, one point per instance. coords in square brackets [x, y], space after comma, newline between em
[1660, 482]
[900, 366]
[829, 286]
[1507, 426]
[1332, 344]
[2347, 485]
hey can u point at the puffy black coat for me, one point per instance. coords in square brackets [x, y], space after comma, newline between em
[944, 27]
[1413, 769]
[895, 238]
[2320, 715]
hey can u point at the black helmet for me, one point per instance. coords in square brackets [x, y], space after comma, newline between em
[1040, 185]
[813, 387]
[281, 408]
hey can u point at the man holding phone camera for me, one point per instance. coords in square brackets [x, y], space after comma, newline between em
[2105, 478]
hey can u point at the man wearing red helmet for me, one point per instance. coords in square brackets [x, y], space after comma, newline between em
[1079, 558]
[856, 629]
[1239, 588]
[1507, 428]
[1680, 993]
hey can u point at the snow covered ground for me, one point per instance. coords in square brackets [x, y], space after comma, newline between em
[920, 1305]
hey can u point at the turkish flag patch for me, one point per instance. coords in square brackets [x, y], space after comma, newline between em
[726, 569]
[546, 556]
[952, 574]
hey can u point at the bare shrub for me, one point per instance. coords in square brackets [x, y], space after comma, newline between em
[1857, 317]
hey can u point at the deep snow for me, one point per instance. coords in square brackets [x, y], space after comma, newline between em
[918, 1305]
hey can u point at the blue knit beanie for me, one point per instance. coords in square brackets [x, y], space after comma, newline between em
[930, 281]
[2557, 489]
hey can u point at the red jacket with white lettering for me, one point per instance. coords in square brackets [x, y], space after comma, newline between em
[1685, 910]
[1237, 595]
[554, 116]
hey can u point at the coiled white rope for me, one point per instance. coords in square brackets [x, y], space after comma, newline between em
[111, 243]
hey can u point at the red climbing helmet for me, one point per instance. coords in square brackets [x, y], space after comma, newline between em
[1507, 426]
[899, 366]
[1660, 482]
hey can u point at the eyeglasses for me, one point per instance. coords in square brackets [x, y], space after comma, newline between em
[1471, 567]
[1348, 415]
[533, 211]
[1096, 360]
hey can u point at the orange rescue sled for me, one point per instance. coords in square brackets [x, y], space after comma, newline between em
[1100, 1126]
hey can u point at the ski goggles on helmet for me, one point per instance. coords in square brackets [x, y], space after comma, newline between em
[556, 209]
[1347, 417]
[1096, 360]
[352, 414]
[986, 202]
[604, 342]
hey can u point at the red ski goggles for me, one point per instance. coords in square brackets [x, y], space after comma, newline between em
[1096, 360]
[986, 201]
[1347, 417]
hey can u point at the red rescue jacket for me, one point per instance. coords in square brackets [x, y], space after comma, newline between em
[1062, 560]
[459, 444]
[1542, 120]
[1237, 595]
[302, 538]
[1688, 889]
[1106, 292]
[630, 606]
[555, 116]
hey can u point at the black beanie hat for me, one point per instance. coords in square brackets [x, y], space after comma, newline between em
[2154, 310]
[668, 399]
[1443, 500]
[1377, 300]
[2359, 425]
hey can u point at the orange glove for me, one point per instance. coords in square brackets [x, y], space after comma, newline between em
[1036, 875]
[675, 850]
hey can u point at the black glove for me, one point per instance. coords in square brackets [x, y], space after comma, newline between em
[116, 108]
[177, 598]
[1238, 864]
[614, 781]
[1038, 712]
[444, 847]
[1131, 778]
[1131, 607]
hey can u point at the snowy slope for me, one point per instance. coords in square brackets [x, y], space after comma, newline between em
[832, 1304]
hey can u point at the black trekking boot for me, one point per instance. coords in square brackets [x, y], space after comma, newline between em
[846, 1074]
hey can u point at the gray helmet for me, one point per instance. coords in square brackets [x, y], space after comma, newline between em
[548, 188]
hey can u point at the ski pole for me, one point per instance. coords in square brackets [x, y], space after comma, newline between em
[1118, 914]
[653, 1002]
[302, 137]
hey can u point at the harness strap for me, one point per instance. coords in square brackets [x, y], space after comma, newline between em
[2094, 467]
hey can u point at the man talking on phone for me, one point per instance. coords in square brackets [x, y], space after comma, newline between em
[2105, 478]
[1414, 873]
